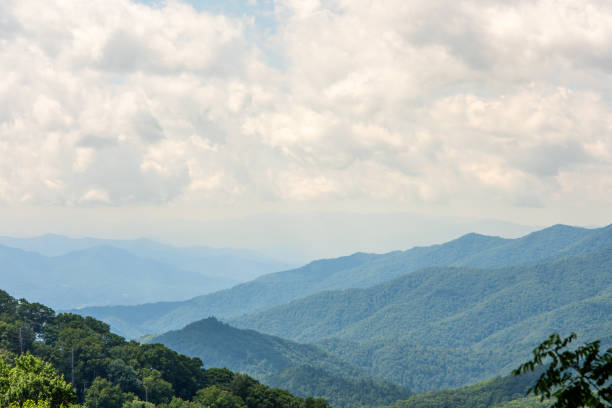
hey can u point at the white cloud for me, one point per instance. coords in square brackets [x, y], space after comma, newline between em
[415, 103]
[95, 196]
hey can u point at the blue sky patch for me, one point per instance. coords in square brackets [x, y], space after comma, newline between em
[261, 10]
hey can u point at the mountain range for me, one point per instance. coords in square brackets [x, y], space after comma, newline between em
[359, 270]
[432, 327]
[90, 271]
[462, 315]
[368, 329]
[426, 305]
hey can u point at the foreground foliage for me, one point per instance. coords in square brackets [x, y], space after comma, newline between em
[39, 404]
[107, 371]
[575, 378]
[30, 379]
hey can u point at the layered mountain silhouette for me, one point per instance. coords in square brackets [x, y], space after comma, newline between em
[234, 265]
[359, 270]
[67, 273]
[102, 275]
[464, 316]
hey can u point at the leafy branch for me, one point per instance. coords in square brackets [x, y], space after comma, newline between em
[579, 378]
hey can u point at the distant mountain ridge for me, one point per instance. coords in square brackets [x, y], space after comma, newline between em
[567, 280]
[101, 274]
[463, 316]
[359, 270]
[233, 265]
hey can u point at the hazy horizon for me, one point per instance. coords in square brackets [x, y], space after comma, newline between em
[148, 118]
[300, 238]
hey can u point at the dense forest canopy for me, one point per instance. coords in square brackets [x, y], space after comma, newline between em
[106, 370]
[485, 394]
[448, 327]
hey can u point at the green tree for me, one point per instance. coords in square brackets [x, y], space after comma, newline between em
[215, 397]
[158, 390]
[103, 394]
[8, 304]
[311, 402]
[261, 396]
[241, 385]
[33, 379]
[184, 373]
[30, 404]
[136, 403]
[15, 335]
[40, 404]
[7, 356]
[578, 378]
[118, 372]
[180, 403]
[35, 315]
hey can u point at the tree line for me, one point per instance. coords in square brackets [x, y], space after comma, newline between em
[89, 364]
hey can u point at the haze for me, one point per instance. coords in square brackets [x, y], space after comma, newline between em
[253, 123]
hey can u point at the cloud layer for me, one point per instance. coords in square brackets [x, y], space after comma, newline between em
[414, 103]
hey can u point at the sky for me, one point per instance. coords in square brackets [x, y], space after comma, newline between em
[161, 118]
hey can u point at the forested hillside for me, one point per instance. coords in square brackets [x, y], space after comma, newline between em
[244, 348]
[108, 371]
[304, 370]
[499, 392]
[418, 367]
[356, 271]
[446, 321]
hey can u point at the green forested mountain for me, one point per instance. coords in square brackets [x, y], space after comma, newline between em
[340, 391]
[106, 370]
[547, 244]
[417, 367]
[500, 392]
[304, 370]
[447, 321]
[356, 271]
[525, 402]
[221, 345]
